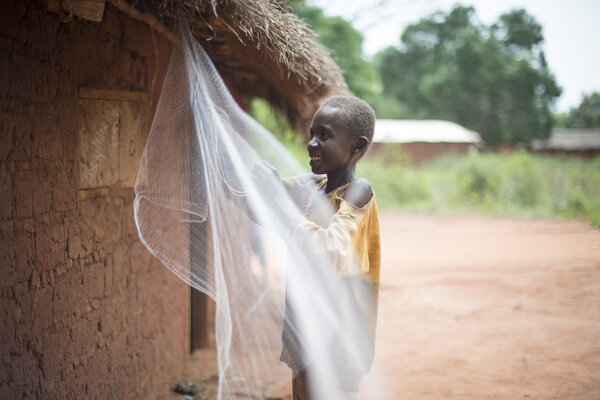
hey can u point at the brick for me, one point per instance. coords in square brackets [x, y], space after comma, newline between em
[113, 226]
[118, 352]
[9, 391]
[64, 189]
[67, 295]
[95, 374]
[112, 314]
[56, 389]
[35, 282]
[129, 229]
[48, 143]
[57, 355]
[147, 356]
[20, 289]
[122, 263]
[93, 280]
[36, 305]
[85, 333]
[19, 251]
[50, 246]
[24, 183]
[7, 328]
[133, 293]
[5, 49]
[31, 78]
[24, 374]
[80, 238]
[15, 136]
[140, 261]
[42, 198]
[4, 377]
[6, 188]
[74, 249]
[109, 287]
[6, 231]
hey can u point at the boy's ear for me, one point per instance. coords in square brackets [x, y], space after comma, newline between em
[360, 144]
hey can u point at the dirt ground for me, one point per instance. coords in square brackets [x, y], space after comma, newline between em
[477, 308]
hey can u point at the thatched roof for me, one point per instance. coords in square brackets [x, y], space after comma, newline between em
[260, 48]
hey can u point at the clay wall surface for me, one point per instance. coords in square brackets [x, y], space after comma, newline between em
[85, 310]
[418, 152]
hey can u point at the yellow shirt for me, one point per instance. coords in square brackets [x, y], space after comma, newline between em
[351, 238]
[352, 232]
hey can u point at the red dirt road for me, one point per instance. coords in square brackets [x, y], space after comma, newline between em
[476, 308]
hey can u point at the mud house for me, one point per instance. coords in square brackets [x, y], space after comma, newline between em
[418, 141]
[85, 310]
[584, 143]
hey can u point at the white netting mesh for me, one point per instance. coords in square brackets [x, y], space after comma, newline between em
[206, 210]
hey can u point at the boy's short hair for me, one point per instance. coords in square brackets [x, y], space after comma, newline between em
[357, 114]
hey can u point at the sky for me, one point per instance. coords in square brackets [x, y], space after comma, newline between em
[571, 32]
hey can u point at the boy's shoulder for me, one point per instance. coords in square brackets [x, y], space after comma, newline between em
[359, 192]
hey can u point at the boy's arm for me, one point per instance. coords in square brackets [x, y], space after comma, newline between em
[274, 191]
[337, 240]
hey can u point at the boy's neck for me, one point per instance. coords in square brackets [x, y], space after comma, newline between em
[340, 178]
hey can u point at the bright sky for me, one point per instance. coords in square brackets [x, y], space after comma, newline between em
[571, 32]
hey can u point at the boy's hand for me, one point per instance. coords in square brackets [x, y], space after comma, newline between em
[267, 179]
[272, 190]
[264, 174]
[263, 169]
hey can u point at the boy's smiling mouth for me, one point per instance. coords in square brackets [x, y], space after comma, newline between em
[313, 158]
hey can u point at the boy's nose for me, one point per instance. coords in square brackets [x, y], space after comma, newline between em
[312, 144]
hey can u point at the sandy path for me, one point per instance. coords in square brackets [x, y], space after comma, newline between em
[487, 309]
[475, 308]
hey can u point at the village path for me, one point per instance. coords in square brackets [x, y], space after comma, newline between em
[480, 308]
[475, 308]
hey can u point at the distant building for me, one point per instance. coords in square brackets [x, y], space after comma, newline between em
[421, 140]
[583, 143]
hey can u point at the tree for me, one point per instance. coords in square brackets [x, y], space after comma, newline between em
[345, 43]
[585, 116]
[494, 79]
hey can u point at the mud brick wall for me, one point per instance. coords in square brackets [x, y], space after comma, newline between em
[85, 310]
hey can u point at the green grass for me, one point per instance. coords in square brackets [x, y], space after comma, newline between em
[516, 185]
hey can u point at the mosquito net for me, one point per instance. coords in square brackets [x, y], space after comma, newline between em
[223, 221]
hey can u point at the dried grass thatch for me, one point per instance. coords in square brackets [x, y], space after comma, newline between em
[260, 48]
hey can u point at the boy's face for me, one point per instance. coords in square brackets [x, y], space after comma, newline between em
[330, 145]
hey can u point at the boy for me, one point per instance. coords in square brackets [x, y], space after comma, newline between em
[340, 134]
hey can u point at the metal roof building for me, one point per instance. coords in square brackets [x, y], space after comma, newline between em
[422, 140]
[580, 142]
[427, 131]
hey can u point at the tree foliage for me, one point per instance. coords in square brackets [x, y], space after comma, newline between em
[345, 43]
[585, 116]
[492, 79]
